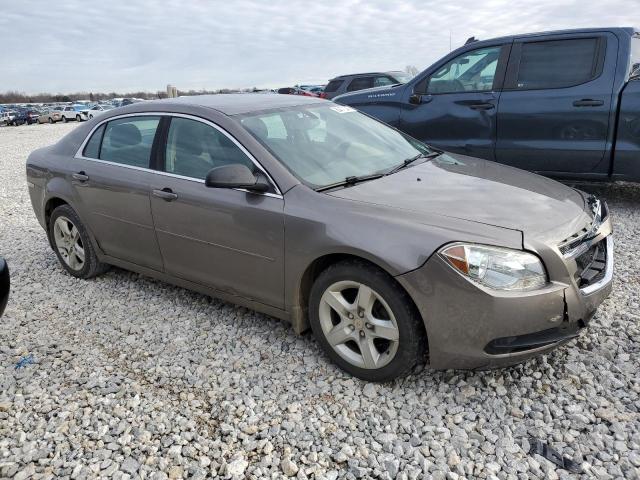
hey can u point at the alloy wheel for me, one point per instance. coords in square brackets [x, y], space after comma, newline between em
[69, 243]
[359, 324]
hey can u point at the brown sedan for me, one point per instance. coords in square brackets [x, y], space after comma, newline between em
[392, 252]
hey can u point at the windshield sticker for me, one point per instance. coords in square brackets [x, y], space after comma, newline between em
[342, 109]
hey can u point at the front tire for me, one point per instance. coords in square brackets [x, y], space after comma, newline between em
[78, 118]
[51, 120]
[365, 322]
[71, 242]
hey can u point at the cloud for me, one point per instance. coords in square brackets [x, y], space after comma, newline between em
[71, 45]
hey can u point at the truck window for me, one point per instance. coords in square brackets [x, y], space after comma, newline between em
[557, 63]
[360, 84]
[635, 56]
[470, 72]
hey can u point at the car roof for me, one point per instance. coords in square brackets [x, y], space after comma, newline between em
[342, 77]
[240, 103]
[627, 30]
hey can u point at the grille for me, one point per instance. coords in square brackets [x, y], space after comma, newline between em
[592, 264]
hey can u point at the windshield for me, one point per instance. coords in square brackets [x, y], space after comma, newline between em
[325, 144]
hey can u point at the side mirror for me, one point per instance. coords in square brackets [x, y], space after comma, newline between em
[235, 176]
[419, 98]
[415, 99]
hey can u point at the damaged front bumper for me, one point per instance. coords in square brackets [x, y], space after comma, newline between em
[469, 326]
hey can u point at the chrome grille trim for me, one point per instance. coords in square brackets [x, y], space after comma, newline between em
[608, 275]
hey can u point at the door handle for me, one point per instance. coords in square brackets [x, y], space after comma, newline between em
[165, 194]
[482, 106]
[587, 102]
[80, 176]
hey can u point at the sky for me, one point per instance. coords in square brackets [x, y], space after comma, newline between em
[129, 45]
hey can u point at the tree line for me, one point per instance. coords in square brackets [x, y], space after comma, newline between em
[21, 97]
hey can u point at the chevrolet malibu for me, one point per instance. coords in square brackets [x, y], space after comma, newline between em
[392, 252]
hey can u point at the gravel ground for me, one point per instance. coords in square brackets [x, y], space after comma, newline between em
[129, 377]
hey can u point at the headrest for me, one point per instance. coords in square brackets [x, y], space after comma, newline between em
[124, 135]
[257, 127]
[188, 139]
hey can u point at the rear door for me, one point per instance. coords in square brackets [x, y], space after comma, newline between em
[111, 177]
[555, 112]
[455, 107]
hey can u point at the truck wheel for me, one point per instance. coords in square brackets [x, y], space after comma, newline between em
[50, 120]
[365, 322]
[72, 244]
[78, 118]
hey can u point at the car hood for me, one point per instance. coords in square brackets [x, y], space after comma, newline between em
[471, 189]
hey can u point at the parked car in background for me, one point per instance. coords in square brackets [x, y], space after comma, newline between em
[6, 117]
[236, 196]
[74, 112]
[98, 110]
[564, 104]
[5, 285]
[32, 116]
[317, 89]
[360, 81]
[296, 91]
[19, 117]
[49, 115]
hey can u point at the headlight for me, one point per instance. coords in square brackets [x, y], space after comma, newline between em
[495, 267]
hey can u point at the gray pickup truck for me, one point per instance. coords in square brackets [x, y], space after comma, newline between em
[564, 104]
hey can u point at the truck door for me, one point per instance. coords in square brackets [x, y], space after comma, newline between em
[554, 114]
[454, 107]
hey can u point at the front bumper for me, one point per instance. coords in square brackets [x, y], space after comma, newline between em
[470, 327]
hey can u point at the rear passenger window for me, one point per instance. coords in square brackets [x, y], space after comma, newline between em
[194, 148]
[92, 148]
[557, 63]
[360, 84]
[333, 86]
[129, 140]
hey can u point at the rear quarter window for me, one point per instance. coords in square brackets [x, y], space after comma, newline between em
[92, 148]
[360, 84]
[333, 86]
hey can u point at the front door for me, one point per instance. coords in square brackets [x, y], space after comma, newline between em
[555, 113]
[228, 239]
[111, 178]
[455, 108]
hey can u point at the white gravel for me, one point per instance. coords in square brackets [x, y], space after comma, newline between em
[136, 378]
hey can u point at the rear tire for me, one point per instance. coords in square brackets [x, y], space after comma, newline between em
[72, 244]
[378, 335]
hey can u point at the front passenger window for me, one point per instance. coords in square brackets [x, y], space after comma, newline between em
[194, 148]
[470, 72]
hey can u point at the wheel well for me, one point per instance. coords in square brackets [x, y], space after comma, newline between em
[320, 264]
[51, 205]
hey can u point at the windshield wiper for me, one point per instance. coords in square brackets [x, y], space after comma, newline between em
[347, 182]
[408, 161]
